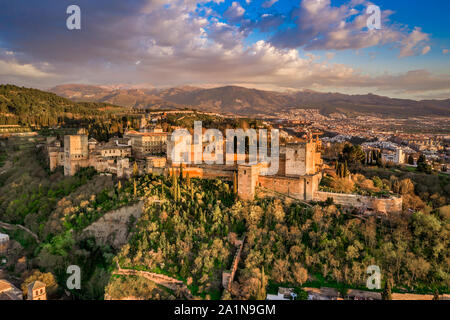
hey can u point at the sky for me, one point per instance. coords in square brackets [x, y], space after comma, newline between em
[283, 45]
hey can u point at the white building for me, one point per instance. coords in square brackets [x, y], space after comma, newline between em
[4, 242]
[283, 294]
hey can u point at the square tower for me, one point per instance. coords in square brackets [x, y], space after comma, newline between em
[36, 291]
[301, 158]
[247, 180]
[76, 153]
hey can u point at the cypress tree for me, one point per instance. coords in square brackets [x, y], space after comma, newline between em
[175, 186]
[188, 181]
[436, 295]
[378, 162]
[387, 292]
[135, 169]
[345, 170]
[261, 295]
[338, 169]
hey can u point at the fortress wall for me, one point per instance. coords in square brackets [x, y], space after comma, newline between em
[292, 187]
[301, 188]
[212, 174]
[204, 173]
[228, 276]
[391, 205]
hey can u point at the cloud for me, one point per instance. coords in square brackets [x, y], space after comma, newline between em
[330, 55]
[412, 41]
[168, 43]
[425, 50]
[14, 69]
[266, 23]
[269, 3]
[234, 12]
[321, 26]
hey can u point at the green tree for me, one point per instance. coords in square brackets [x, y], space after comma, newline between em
[387, 292]
[135, 169]
[181, 172]
[436, 295]
[353, 154]
[261, 294]
[422, 165]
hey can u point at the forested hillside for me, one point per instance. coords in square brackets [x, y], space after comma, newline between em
[31, 107]
[189, 236]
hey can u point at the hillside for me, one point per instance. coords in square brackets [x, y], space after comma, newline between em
[20, 105]
[244, 101]
[130, 98]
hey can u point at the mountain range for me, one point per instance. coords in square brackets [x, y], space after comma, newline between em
[251, 102]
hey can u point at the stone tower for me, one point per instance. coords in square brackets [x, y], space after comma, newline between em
[302, 158]
[36, 291]
[247, 180]
[76, 154]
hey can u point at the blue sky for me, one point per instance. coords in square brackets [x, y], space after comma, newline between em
[280, 45]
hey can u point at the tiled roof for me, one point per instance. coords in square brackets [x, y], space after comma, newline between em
[4, 285]
[36, 285]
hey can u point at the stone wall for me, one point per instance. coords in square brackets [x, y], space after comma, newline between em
[301, 188]
[228, 276]
[390, 205]
[205, 172]
[292, 187]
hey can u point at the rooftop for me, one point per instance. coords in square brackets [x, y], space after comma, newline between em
[36, 285]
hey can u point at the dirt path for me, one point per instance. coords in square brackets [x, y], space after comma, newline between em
[13, 226]
[165, 281]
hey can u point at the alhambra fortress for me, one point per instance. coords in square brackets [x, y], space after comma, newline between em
[150, 151]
